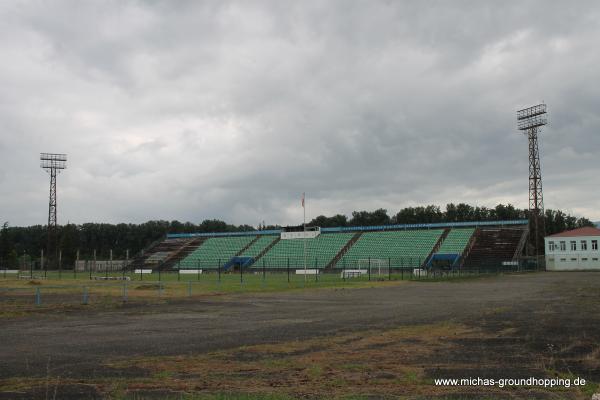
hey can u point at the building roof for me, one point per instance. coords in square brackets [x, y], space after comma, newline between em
[587, 231]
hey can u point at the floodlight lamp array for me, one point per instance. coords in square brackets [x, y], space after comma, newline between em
[53, 161]
[532, 117]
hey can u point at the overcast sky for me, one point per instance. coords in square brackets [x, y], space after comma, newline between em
[230, 110]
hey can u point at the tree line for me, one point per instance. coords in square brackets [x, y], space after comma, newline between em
[17, 242]
[556, 220]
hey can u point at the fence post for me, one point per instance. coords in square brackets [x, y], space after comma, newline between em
[189, 288]
[219, 267]
[389, 269]
[124, 291]
[38, 297]
[241, 275]
[264, 276]
[316, 271]
[344, 269]
[288, 269]
[30, 269]
[59, 264]
[178, 273]
[89, 268]
[85, 295]
[76, 264]
[369, 269]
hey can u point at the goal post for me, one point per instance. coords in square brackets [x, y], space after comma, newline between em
[377, 266]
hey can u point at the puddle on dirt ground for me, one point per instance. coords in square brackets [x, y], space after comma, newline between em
[148, 287]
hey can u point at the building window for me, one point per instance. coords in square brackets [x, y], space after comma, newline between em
[563, 246]
[584, 259]
[573, 259]
[563, 259]
[573, 245]
[594, 259]
[584, 245]
[594, 245]
[550, 246]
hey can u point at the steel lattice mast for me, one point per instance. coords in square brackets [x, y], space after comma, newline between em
[53, 164]
[530, 121]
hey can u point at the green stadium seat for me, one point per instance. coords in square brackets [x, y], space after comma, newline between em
[456, 241]
[215, 251]
[398, 248]
[320, 251]
[257, 247]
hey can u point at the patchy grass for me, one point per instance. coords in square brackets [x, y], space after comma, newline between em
[542, 337]
[365, 363]
[19, 296]
[69, 293]
[370, 364]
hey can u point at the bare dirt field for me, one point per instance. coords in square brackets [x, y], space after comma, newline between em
[389, 341]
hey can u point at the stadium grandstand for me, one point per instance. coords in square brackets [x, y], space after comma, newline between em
[454, 245]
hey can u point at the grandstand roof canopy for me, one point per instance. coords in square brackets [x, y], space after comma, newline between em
[586, 231]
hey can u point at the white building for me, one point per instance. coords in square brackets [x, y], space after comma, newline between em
[573, 250]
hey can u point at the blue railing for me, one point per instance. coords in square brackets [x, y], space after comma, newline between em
[425, 226]
[359, 228]
[217, 234]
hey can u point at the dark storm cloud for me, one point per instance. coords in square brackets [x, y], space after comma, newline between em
[194, 110]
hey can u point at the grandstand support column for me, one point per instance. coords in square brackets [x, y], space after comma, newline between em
[530, 120]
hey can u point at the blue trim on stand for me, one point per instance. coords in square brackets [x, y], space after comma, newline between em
[359, 228]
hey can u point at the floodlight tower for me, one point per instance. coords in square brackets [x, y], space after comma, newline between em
[530, 120]
[53, 164]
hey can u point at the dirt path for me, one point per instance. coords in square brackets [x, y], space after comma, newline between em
[530, 323]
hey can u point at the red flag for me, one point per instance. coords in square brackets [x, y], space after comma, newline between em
[302, 199]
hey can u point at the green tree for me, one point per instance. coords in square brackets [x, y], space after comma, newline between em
[366, 218]
[328, 222]
[68, 245]
[8, 253]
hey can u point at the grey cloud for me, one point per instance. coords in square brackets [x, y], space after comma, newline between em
[231, 110]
